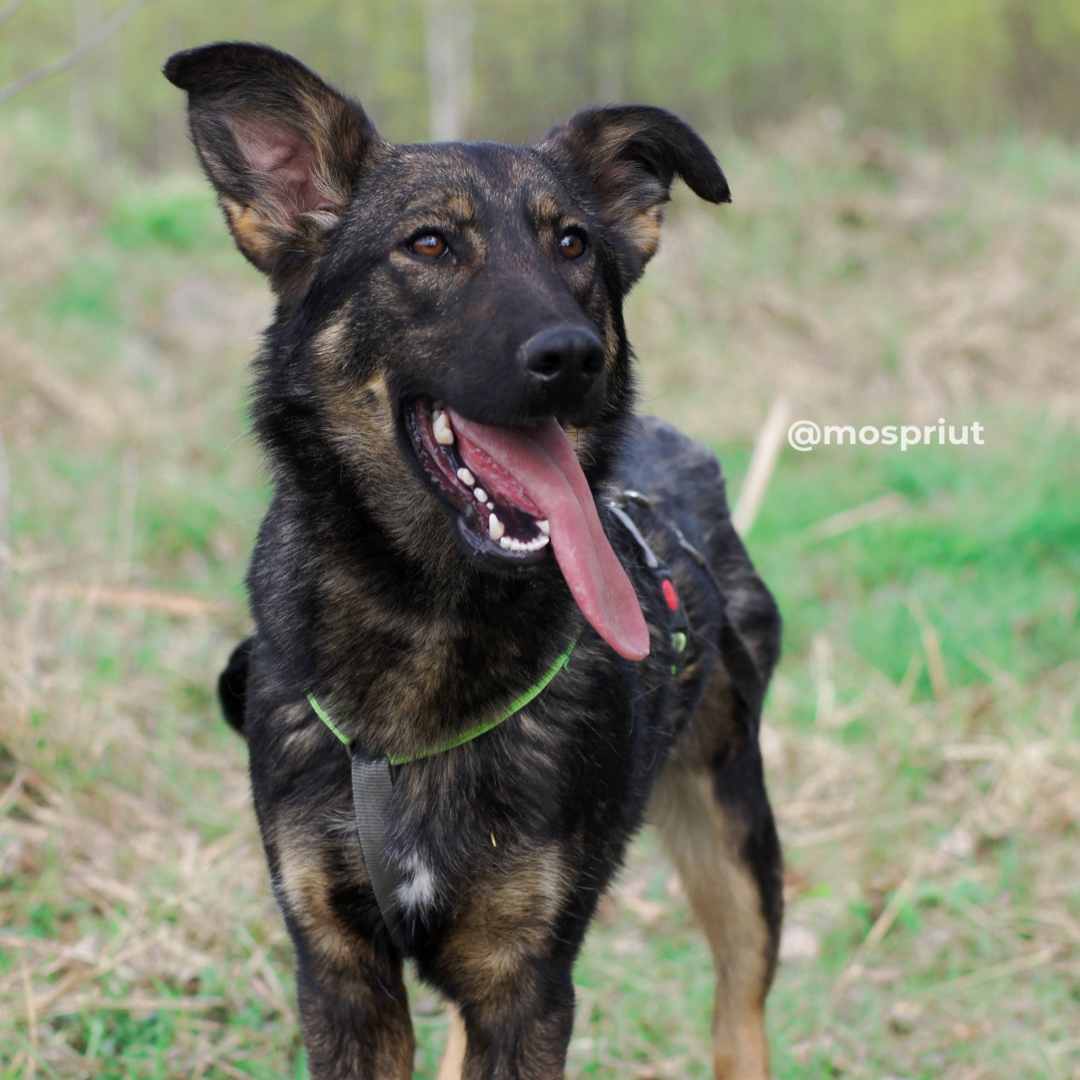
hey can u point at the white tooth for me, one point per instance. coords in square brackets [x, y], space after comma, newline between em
[543, 541]
[444, 436]
[544, 527]
[466, 477]
[480, 494]
[505, 542]
[537, 542]
[495, 528]
[490, 505]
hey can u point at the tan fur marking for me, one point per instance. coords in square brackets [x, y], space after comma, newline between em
[643, 231]
[703, 842]
[505, 923]
[252, 232]
[305, 888]
[460, 208]
[611, 343]
[454, 1055]
[303, 731]
[327, 345]
[544, 208]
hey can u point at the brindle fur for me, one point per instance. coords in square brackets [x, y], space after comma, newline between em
[362, 592]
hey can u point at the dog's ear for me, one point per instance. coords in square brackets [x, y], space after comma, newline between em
[628, 156]
[281, 147]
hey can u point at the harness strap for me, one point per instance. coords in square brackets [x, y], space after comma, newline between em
[482, 728]
[373, 780]
[372, 786]
[730, 645]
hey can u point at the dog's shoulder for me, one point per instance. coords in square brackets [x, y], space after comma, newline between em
[681, 477]
[685, 486]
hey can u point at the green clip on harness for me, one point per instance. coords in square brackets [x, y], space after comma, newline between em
[373, 783]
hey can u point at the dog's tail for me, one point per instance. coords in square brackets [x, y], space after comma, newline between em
[232, 684]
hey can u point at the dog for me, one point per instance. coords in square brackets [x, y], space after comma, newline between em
[522, 609]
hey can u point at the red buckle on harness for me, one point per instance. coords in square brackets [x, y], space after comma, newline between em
[670, 595]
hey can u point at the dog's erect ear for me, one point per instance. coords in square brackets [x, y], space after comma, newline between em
[628, 156]
[282, 148]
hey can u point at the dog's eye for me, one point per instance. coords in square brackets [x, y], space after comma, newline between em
[430, 245]
[572, 244]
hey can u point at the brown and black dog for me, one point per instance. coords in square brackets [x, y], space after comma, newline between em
[445, 400]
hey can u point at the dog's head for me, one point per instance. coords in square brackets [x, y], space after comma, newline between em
[455, 305]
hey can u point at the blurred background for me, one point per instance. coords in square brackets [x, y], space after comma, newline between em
[903, 245]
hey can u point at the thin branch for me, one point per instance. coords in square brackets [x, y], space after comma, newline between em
[103, 33]
[9, 9]
[5, 512]
[762, 463]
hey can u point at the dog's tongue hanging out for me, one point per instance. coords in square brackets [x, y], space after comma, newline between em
[537, 465]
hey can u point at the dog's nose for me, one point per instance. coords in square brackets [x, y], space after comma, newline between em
[566, 363]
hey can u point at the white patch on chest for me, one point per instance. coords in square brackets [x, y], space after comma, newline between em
[419, 887]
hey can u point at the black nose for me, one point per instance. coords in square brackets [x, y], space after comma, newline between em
[566, 365]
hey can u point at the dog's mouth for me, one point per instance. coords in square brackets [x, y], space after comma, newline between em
[496, 516]
[518, 490]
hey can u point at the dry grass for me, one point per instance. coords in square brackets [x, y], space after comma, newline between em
[865, 281]
[933, 926]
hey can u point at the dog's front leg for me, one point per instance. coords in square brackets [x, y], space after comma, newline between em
[354, 1009]
[355, 1018]
[522, 1030]
[506, 962]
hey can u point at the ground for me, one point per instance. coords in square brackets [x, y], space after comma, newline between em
[922, 737]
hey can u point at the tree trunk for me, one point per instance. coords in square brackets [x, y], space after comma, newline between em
[449, 67]
[610, 49]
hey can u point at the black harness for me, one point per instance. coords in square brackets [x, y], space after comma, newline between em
[373, 778]
[730, 645]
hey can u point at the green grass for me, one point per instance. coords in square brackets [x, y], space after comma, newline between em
[988, 542]
[137, 934]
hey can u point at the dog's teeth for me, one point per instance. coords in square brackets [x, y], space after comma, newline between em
[506, 543]
[490, 505]
[544, 527]
[444, 436]
[536, 543]
[495, 528]
[466, 477]
[479, 494]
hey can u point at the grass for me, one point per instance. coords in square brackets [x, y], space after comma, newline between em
[922, 736]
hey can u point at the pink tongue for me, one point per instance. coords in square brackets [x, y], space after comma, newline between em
[541, 463]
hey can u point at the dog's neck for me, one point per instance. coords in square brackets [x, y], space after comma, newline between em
[405, 653]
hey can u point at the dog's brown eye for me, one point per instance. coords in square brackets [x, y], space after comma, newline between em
[571, 245]
[430, 245]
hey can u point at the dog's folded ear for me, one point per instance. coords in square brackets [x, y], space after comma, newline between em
[282, 148]
[627, 157]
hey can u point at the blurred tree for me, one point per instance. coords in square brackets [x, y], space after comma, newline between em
[610, 49]
[449, 67]
[508, 68]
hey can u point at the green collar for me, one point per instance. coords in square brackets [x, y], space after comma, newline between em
[515, 706]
